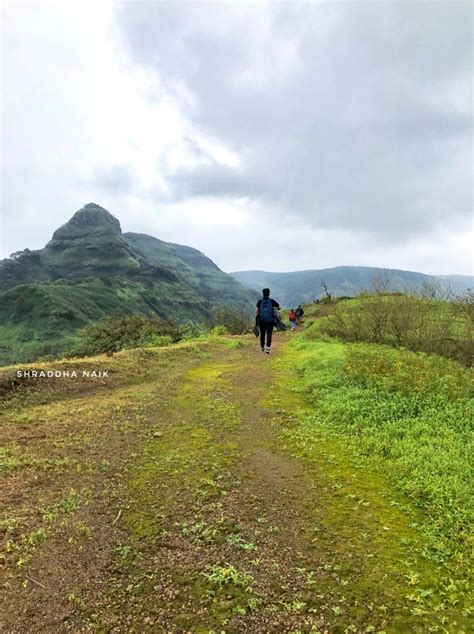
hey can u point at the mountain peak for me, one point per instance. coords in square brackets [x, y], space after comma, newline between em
[93, 215]
[92, 220]
[90, 243]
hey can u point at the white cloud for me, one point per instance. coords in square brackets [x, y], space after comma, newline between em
[269, 135]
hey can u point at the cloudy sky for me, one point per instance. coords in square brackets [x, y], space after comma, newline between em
[270, 135]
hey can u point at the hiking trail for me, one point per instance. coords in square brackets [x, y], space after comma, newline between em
[181, 499]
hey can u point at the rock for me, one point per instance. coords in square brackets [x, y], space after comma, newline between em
[157, 434]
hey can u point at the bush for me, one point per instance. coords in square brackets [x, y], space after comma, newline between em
[235, 321]
[219, 331]
[155, 341]
[116, 332]
[412, 321]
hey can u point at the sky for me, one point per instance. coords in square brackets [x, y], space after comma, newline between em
[269, 135]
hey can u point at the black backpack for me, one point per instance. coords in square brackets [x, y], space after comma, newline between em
[266, 311]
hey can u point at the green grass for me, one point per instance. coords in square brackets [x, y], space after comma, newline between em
[410, 416]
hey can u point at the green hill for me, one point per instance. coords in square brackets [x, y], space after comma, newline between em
[305, 286]
[89, 269]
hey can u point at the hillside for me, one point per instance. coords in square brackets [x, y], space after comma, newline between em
[90, 268]
[305, 286]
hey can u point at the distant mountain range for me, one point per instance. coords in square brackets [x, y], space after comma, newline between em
[298, 287]
[90, 268]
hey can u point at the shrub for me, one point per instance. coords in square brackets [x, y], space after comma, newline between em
[236, 321]
[116, 332]
[411, 321]
[155, 341]
[219, 330]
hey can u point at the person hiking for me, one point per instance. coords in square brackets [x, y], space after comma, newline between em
[299, 312]
[264, 316]
[292, 318]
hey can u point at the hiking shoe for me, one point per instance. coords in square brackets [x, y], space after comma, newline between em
[262, 349]
[268, 350]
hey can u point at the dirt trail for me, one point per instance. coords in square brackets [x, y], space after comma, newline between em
[191, 513]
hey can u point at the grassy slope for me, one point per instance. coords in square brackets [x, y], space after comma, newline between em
[37, 320]
[192, 268]
[409, 415]
[210, 499]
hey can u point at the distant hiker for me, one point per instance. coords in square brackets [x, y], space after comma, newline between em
[264, 316]
[299, 312]
[292, 318]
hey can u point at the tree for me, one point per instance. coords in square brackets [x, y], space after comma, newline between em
[381, 282]
[325, 288]
[18, 254]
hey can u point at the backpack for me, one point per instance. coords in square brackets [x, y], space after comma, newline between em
[266, 311]
[292, 315]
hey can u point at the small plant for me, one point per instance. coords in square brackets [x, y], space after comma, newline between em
[9, 524]
[202, 532]
[83, 530]
[236, 540]
[413, 578]
[77, 600]
[295, 606]
[37, 537]
[125, 552]
[252, 604]
[228, 575]
[8, 462]
[22, 561]
[70, 504]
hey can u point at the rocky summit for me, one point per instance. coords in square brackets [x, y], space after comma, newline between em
[90, 242]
